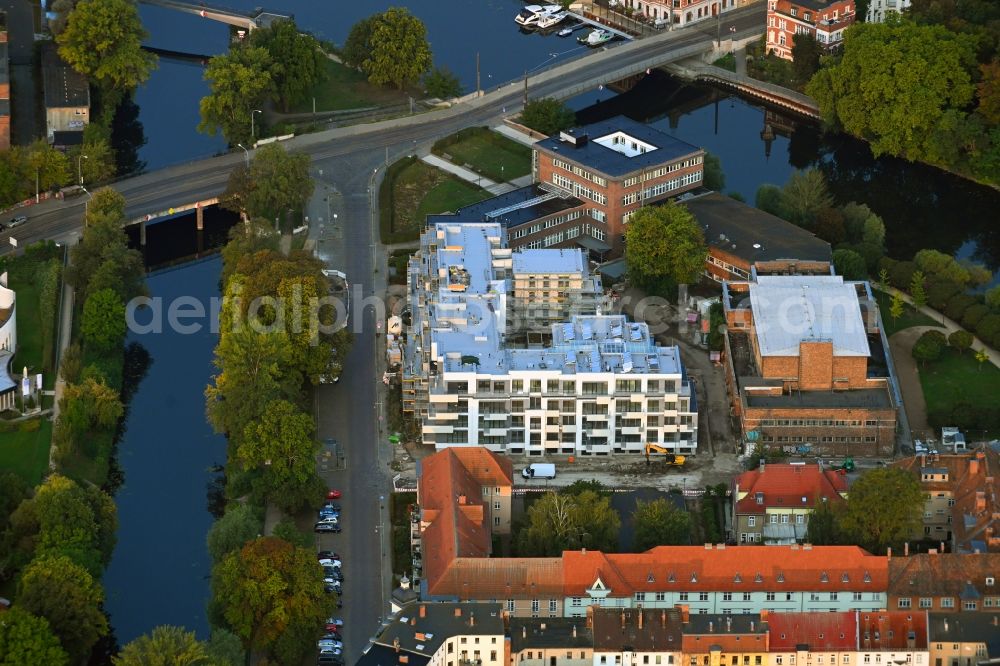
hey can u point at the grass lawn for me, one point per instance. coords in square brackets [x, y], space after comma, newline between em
[346, 88]
[727, 61]
[412, 190]
[402, 561]
[958, 378]
[909, 318]
[29, 321]
[486, 152]
[26, 453]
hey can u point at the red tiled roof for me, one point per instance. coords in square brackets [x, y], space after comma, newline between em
[892, 630]
[500, 578]
[486, 467]
[787, 485]
[695, 568]
[703, 643]
[820, 631]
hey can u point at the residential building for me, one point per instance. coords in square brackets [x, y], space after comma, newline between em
[852, 638]
[879, 10]
[678, 12]
[721, 640]
[772, 504]
[67, 99]
[8, 345]
[441, 634]
[946, 583]
[636, 636]
[972, 639]
[805, 368]
[824, 20]
[963, 498]
[456, 538]
[550, 642]
[600, 385]
[615, 166]
[742, 238]
[549, 286]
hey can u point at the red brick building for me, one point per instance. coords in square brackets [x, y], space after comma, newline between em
[615, 167]
[825, 20]
[797, 351]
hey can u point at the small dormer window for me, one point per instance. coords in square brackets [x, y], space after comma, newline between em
[821, 635]
[781, 578]
[650, 578]
[806, 16]
[694, 578]
[823, 578]
[990, 580]
[868, 577]
[845, 578]
[671, 578]
[737, 578]
[795, 11]
[804, 499]
[758, 578]
[760, 498]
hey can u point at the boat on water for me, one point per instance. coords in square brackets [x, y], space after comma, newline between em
[597, 37]
[546, 20]
[529, 16]
[565, 32]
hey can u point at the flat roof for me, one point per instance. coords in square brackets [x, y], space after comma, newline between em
[752, 234]
[64, 86]
[790, 309]
[385, 655]
[512, 209]
[590, 151]
[548, 261]
[874, 398]
[549, 632]
[424, 634]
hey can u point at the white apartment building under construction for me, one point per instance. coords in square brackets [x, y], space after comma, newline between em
[598, 385]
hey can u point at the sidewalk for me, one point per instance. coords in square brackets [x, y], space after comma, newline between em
[514, 135]
[65, 335]
[949, 325]
[490, 186]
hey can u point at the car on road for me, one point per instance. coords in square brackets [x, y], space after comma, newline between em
[334, 623]
[331, 650]
[333, 494]
[327, 555]
[328, 514]
[333, 528]
[332, 635]
[329, 643]
[17, 221]
[330, 563]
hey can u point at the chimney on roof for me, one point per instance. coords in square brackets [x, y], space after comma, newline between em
[413, 621]
[472, 619]
[524, 631]
[423, 610]
[906, 549]
[583, 551]
[395, 645]
[923, 460]
[663, 618]
[763, 615]
[711, 626]
[942, 548]
[458, 611]
[729, 624]
[574, 631]
[640, 618]
[980, 500]
[590, 617]
[404, 659]
[946, 625]
[932, 551]
[542, 626]
[685, 613]
[888, 553]
[623, 620]
[751, 625]
[462, 499]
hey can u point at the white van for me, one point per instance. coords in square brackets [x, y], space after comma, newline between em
[539, 471]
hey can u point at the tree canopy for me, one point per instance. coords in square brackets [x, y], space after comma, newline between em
[276, 182]
[398, 52]
[664, 243]
[69, 598]
[103, 321]
[849, 264]
[103, 40]
[547, 115]
[27, 640]
[560, 521]
[442, 83]
[164, 646]
[659, 523]
[299, 63]
[282, 443]
[238, 82]
[102, 258]
[884, 508]
[239, 525]
[929, 346]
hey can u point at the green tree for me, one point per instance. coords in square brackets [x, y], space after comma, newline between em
[829, 225]
[582, 485]
[917, 290]
[103, 321]
[85, 410]
[27, 640]
[358, 45]
[981, 357]
[270, 592]
[60, 10]
[103, 255]
[849, 264]
[238, 82]
[884, 508]
[804, 196]
[940, 266]
[287, 530]
[855, 216]
[874, 231]
[247, 239]
[49, 165]
[547, 115]
[13, 491]
[805, 57]
[822, 529]
[299, 61]
[399, 51]
[992, 297]
[770, 200]
[69, 598]
[103, 40]
[894, 84]
[237, 526]
[559, 521]
[105, 202]
[96, 159]
[659, 523]
[282, 443]
[929, 346]
[277, 182]
[714, 176]
[225, 649]
[164, 646]
[442, 83]
[988, 92]
[896, 306]
[664, 243]
[960, 340]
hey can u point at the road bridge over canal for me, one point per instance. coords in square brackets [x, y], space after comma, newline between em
[258, 18]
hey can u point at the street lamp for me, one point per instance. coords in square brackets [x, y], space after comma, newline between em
[86, 203]
[253, 133]
[79, 168]
[247, 153]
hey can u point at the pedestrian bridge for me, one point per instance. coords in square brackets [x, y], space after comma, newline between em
[257, 18]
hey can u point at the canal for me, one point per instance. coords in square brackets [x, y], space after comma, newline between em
[159, 572]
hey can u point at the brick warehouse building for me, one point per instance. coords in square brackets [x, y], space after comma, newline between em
[615, 167]
[825, 20]
[805, 368]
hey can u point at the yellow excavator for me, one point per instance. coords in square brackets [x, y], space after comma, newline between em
[669, 458]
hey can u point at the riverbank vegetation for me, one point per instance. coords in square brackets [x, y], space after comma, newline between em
[390, 48]
[268, 360]
[950, 97]
[547, 115]
[486, 152]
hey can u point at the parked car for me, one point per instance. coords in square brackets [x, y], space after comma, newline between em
[333, 528]
[334, 622]
[331, 505]
[331, 636]
[326, 513]
[331, 651]
[333, 494]
[17, 221]
[329, 519]
[330, 563]
[329, 643]
[327, 555]
[328, 658]
[334, 575]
